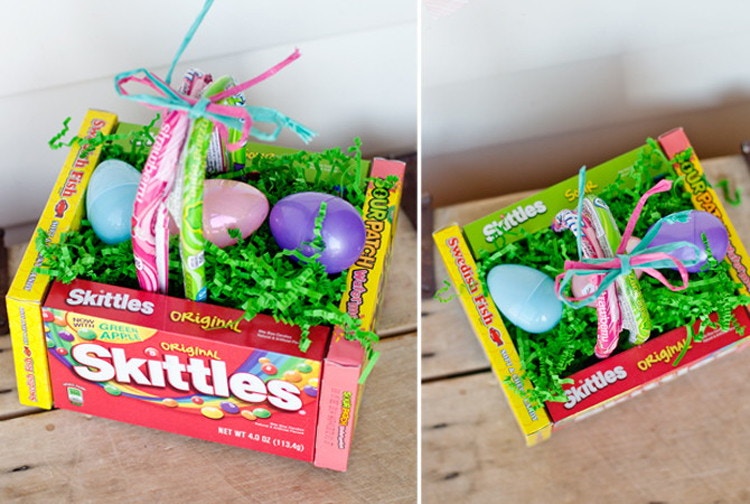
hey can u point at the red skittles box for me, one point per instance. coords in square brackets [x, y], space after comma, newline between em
[183, 366]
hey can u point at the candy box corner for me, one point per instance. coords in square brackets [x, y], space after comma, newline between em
[460, 246]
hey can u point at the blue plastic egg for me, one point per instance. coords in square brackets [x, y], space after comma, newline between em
[525, 296]
[109, 200]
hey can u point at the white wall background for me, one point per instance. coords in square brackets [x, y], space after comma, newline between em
[357, 75]
[517, 95]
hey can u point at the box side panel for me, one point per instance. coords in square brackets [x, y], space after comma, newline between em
[634, 369]
[62, 213]
[347, 364]
[338, 399]
[380, 213]
[489, 330]
[254, 149]
[705, 198]
[183, 316]
[537, 211]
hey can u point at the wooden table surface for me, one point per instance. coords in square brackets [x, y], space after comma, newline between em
[63, 456]
[684, 442]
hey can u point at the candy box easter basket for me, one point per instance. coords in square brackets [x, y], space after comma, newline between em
[223, 371]
[602, 331]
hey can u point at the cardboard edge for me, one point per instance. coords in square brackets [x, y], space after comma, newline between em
[345, 367]
[27, 290]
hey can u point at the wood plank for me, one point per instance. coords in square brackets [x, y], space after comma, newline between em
[398, 306]
[9, 405]
[683, 442]
[63, 456]
[449, 346]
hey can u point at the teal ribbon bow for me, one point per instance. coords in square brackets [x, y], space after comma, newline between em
[643, 257]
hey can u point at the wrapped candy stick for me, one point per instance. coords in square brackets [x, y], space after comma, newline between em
[192, 242]
[150, 234]
[619, 263]
[607, 308]
[219, 159]
[636, 319]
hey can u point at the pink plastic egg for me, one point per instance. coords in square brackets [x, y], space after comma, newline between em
[230, 204]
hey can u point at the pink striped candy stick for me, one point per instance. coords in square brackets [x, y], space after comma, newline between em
[609, 318]
[150, 223]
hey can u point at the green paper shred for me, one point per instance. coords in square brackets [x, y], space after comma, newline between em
[255, 275]
[732, 199]
[441, 293]
[132, 147]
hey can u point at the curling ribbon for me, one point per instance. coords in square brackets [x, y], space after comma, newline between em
[224, 117]
[642, 257]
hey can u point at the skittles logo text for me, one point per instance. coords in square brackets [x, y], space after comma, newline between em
[106, 299]
[376, 215]
[101, 364]
[593, 384]
[511, 219]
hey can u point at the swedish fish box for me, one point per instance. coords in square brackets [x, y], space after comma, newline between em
[551, 358]
[62, 213]
[194, 368]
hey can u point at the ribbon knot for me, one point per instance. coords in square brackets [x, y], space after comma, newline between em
[199, 108]
[625, 267]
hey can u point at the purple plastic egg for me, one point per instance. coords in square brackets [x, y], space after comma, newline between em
[292, 222]
[689, 226]
[230, 204]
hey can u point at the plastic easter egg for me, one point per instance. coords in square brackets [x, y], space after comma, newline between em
[109, 200]
[525, 296]
[292, 222]
[230, 204]
[689, 226]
